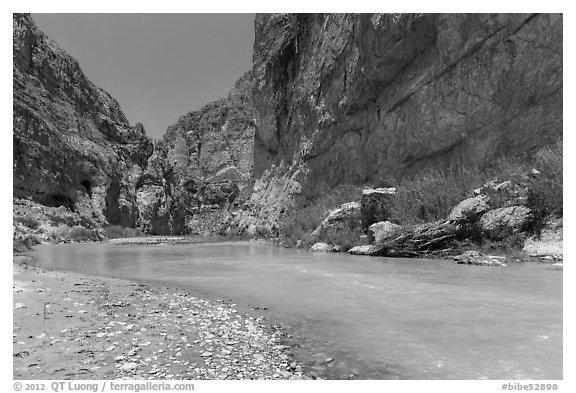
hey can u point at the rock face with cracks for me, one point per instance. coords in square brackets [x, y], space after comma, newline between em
[72, 144]
[201, 167]
[363, 98]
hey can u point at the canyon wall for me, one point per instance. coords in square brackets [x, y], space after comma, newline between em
[72, 144]
[368, 98]
[201, 171]
[331, 99]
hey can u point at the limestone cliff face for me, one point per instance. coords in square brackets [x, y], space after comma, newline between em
[365, 98]
[202, 166]
[73, 146]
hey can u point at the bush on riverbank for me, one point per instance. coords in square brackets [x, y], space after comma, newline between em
[116, 231]
[29, 222]
[430, 195]
[25, 244]
[545, 194]
[81, 234]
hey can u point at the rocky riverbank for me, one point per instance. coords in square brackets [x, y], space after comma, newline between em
[73, 326]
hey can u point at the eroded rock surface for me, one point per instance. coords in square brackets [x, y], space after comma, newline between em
[362, 98]
[501, 222]
[201, 168]
[72, 144]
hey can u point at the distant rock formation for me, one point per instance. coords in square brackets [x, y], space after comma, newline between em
[201, 167]
[366, 98]
[72, 144]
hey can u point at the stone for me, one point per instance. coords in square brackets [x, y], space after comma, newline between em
[321, 247]
[376, 205]
[501, 222]
[468, 210]
[419, 240]
[477, 258]
[344, 216]
[382, 230]
[130, 366]
[364, 250]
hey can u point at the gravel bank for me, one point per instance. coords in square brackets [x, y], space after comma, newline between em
[73, 326]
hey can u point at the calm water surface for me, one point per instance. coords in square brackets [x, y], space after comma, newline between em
[383, 318]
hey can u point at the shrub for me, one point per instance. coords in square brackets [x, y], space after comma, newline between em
[430, 194]
[79, 233]
[25, 244]
[116, 231]
[66, 220]
[344, 237]
[545, 193]
[27, 221]
[60, 233]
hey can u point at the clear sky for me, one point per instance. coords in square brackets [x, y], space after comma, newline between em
[157, 66]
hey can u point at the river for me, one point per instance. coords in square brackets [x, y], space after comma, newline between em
[379, 318]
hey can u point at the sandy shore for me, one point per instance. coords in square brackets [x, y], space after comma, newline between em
[74, 326]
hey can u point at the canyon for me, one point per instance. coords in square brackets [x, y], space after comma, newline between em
[331, 99]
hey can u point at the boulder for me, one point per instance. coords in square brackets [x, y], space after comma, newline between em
[420, 240]
[364, 250]
[321, 247]
[468, 209]
[382, 230]
[346, 215]
[500, 222]
[376, 205]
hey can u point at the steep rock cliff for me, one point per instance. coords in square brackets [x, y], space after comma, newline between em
[72, 144]
[201, 168]
[367, 98]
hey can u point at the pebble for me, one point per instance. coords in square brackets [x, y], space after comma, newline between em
[128, 366]
[227, 344]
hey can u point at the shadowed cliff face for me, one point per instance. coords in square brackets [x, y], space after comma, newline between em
[72, 144]
[201, 168]
[365, 98]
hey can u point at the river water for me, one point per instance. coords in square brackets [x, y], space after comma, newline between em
[378, 317]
